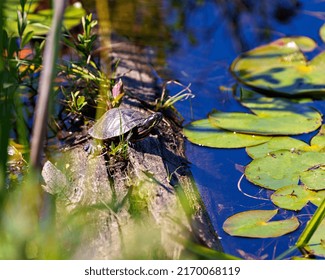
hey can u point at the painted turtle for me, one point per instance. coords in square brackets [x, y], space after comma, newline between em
[122, 121]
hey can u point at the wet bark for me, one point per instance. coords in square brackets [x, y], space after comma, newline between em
[147, 206]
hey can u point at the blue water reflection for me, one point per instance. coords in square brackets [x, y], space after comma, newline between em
[205, 65]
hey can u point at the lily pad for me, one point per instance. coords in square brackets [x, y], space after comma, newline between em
[281, 168]
[271, 117]
[318, 198]
[275, 144]
[255, 223]
[318, 141]
[316, 245]
[314, 177]
[322, 32]
[280, 68]
[202, 133]
[317, 144]
[294, 197]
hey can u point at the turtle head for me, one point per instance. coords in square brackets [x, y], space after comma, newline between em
[148, 124]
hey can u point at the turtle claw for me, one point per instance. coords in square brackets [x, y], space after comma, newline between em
[131, 144]
[93, 148]
[87, 148]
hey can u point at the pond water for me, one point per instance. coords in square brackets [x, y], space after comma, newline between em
[221, 34]
[196, 42]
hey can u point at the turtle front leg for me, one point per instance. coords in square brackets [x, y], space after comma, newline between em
[94, 147]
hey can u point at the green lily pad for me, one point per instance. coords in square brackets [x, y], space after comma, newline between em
[317, 144]
[275, 144]
[318, 141]
[304, 43]
[281, 168]
[314, 177]
[318, 198]
[322, 32]
[316, 245]
[271, 117]
[280, 68]
[202, 133]
[285, 161]
[295, 197]
[292, 197]
[255, 223]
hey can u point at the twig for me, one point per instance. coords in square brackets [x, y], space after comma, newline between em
[45, 86]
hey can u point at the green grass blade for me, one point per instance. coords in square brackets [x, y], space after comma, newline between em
[308, 232]
[312, 226]
[205, 252]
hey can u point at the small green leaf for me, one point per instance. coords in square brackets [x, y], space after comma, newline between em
[26, 38]
[255, 223]
[38, 28]
[202, 133]
[80, 100]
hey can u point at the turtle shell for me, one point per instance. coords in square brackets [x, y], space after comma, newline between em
[116, 122]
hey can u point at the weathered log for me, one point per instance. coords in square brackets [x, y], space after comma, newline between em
[150, 201]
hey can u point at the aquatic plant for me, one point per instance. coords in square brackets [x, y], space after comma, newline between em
[293, 169]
